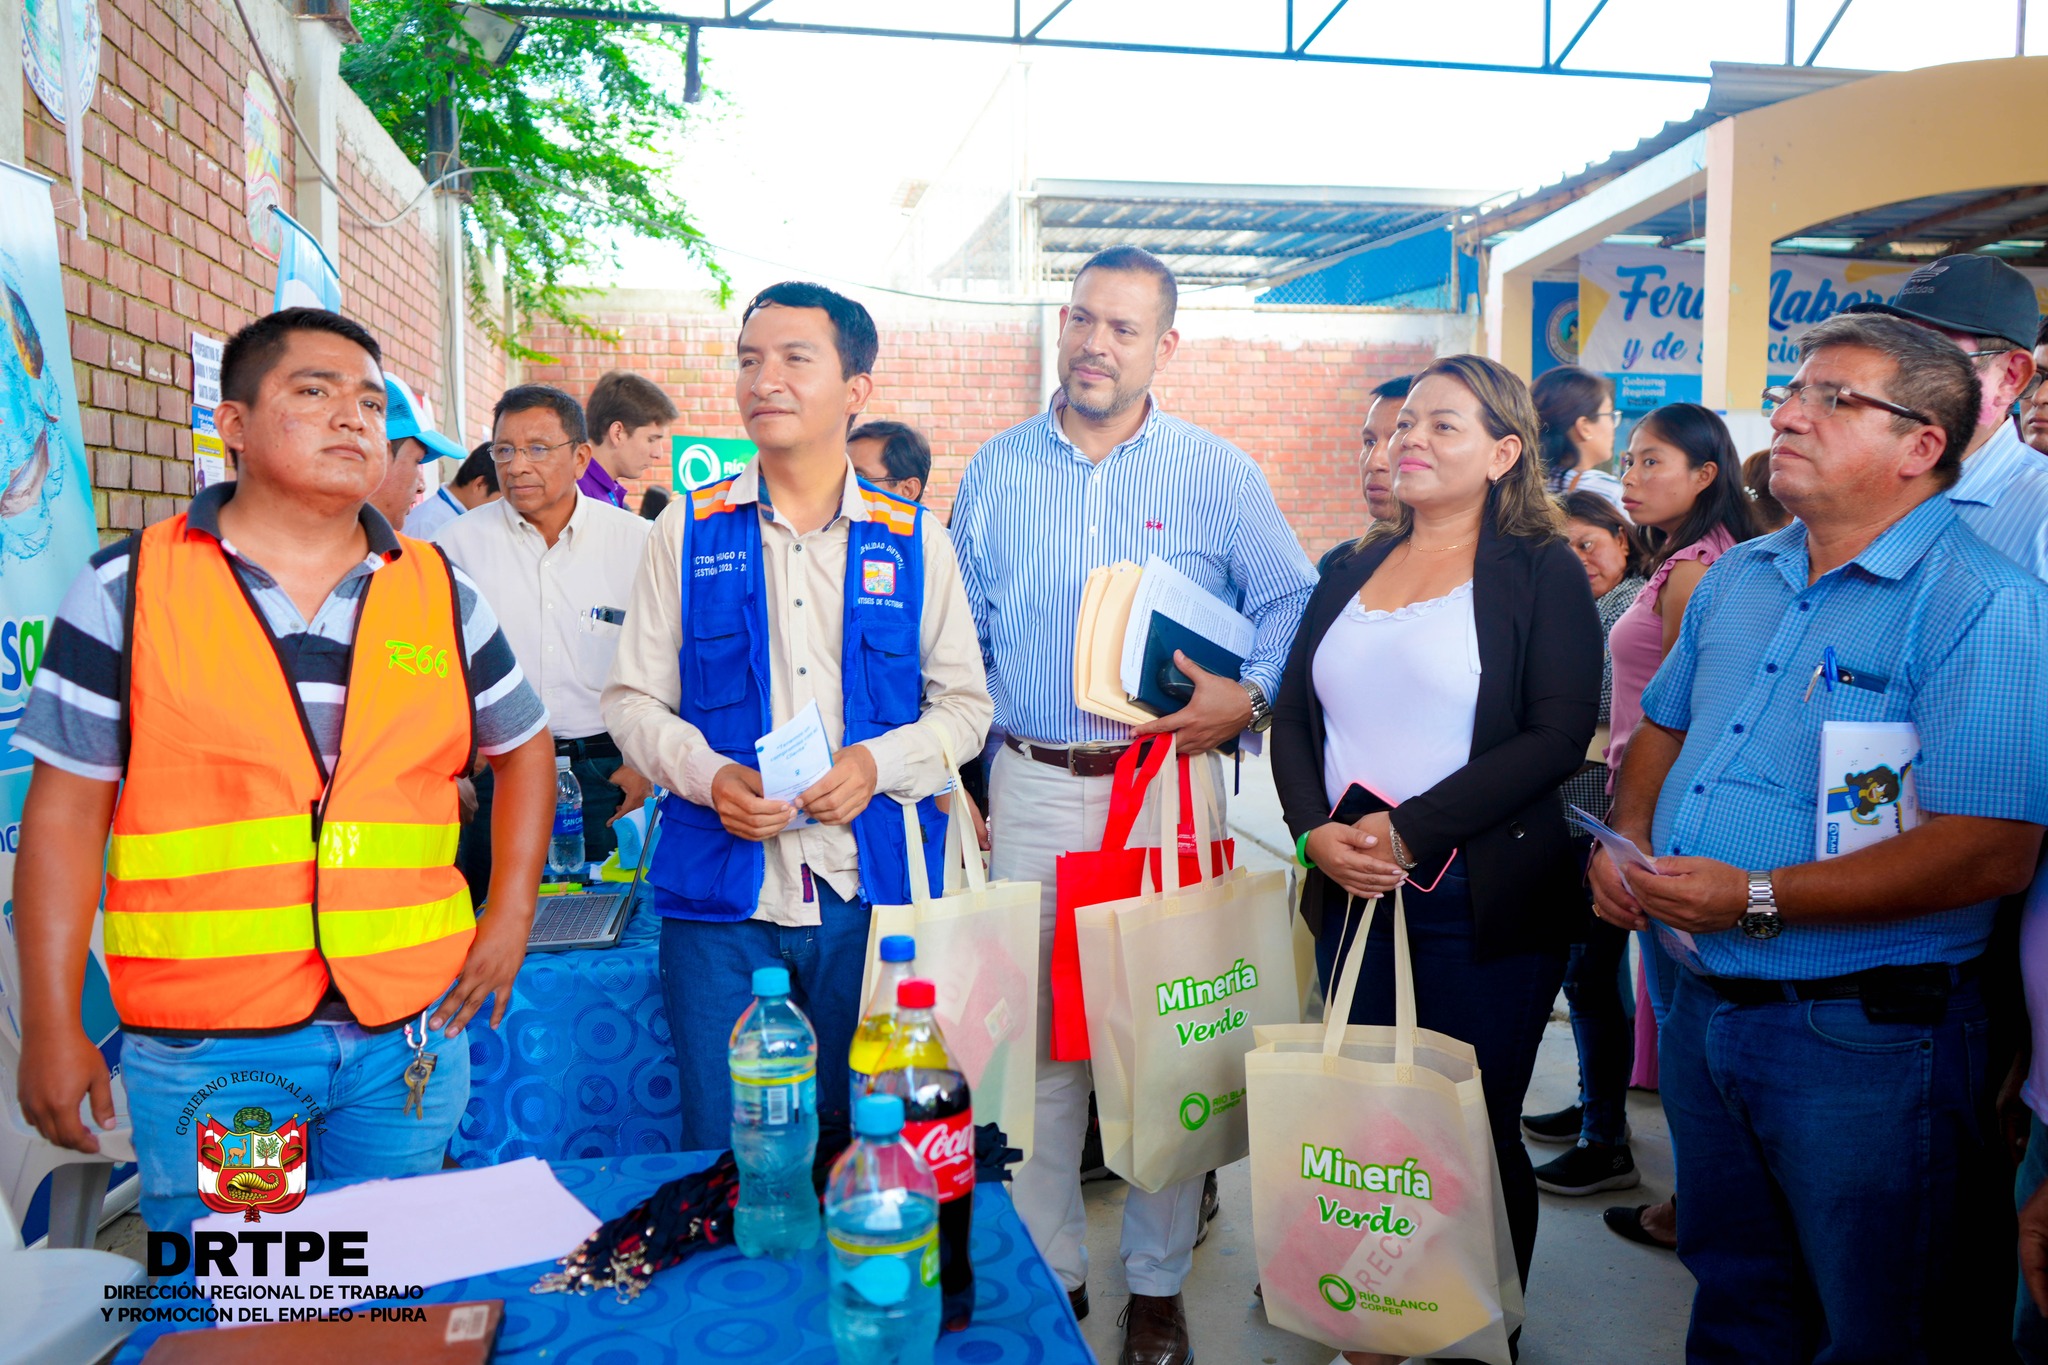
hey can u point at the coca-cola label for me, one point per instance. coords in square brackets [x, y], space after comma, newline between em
[947, 1146]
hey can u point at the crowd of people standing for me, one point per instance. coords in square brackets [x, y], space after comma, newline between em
[1520, 627]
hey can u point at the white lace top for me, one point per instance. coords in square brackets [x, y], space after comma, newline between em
[1398, 690]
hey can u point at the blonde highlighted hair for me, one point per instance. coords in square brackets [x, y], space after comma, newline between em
[1517, 504]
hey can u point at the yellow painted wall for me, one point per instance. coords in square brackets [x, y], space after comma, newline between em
[1776, 171]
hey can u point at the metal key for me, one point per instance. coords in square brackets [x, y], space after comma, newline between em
[419, 1071]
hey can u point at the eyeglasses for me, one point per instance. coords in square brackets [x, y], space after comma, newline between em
[537, 453]
[1820, 400]
[1974, 356]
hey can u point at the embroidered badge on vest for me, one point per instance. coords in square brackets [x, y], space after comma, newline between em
[878, 577]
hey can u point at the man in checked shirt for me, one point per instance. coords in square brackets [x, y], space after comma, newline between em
[1103, 475]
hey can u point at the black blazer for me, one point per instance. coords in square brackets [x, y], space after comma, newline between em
[1539, 701]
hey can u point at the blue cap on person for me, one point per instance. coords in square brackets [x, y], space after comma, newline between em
[402, 419]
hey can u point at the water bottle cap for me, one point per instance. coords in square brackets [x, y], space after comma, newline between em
[771, 981]
[561, 763]
[915, 993]
[878, 1116]
[899, 948]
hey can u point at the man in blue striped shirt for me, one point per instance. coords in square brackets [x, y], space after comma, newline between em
[1824, 1058]
[1102, 476]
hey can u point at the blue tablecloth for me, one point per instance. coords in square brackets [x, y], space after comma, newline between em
[582, 1067]
[720, 1306]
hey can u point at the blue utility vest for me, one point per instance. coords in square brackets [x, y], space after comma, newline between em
[701, 872]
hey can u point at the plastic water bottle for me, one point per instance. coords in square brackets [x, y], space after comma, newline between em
[774, 1064]
[878, 1020]
[938, 1124]
[882, 1221]
[565, 848]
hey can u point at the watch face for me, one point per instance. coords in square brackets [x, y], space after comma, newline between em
[1761, 926]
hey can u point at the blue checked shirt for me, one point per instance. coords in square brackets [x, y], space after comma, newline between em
[1947, 634]
[2003, 497]
[1034, 516]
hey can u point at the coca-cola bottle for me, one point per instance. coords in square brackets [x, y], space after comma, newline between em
[938, 1125]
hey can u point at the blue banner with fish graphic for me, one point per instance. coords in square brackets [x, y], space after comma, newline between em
[47, 532]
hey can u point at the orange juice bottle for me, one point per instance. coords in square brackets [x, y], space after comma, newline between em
[878, 1020]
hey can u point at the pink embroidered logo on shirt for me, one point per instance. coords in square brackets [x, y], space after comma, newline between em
[1154, 524]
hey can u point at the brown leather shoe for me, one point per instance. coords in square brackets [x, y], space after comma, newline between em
[1155, 1332]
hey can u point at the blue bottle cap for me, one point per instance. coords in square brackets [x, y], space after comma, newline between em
[771, 981]
[899, 948]
[878, 1116]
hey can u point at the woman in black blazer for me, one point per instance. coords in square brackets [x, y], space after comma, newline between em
[1451, 662]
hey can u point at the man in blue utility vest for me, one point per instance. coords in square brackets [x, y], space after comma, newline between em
[792, 583]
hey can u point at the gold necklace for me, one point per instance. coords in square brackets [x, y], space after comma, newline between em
[1438, 549]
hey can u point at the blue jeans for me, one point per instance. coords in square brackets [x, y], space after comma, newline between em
[1603, 1032]
[1821, 1162]
[1498, 1005]
[2029, 1328]
[707, 972]
[1660, 972]
[347, 1085]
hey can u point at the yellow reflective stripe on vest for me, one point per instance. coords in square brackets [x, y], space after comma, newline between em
[359, 933]
[365, 844]
[209, 933]
[212, 848]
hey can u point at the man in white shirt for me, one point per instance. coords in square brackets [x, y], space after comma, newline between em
[557, 567]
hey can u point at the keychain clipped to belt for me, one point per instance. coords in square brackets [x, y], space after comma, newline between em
[420, 1069]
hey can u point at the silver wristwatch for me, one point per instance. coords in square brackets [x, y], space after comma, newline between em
[1262, 710]
[1761, 919]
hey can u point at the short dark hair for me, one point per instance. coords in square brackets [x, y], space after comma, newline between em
[632, 400]
[1138, 261]
[253, 352]
[905, 452]
[1397, 387]
[479, 465]
[526, 397]
[1930, 375]
[653, 501]
[853, 326]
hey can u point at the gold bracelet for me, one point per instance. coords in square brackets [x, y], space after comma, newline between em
[1400, 849]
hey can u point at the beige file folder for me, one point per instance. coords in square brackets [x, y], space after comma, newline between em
[1099, 643]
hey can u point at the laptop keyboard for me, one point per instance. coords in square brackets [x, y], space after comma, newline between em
[572, 918]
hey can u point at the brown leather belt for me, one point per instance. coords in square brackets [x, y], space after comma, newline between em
[1082, 760]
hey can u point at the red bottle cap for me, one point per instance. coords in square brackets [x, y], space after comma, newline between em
[915, 993]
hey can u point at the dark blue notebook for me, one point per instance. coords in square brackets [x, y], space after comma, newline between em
[1164, 687]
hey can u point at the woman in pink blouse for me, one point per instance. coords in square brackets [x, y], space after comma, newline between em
[1682, 485]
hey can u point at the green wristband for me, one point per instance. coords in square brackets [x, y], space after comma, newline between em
[1301, 852]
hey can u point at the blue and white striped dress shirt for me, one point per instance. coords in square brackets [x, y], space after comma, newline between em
[2003, 496]
[1943, 632]
[1034, 516]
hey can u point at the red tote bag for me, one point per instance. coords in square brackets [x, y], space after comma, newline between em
[1115, 872]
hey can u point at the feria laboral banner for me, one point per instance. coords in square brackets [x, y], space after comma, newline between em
[1640, 312]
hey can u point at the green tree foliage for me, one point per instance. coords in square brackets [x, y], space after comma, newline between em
[578, 119]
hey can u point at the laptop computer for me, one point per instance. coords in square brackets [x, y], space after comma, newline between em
[586, 919]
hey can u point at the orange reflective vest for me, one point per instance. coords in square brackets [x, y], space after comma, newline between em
[240, 880]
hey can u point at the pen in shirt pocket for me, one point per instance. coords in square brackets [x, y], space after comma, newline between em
[607, 616]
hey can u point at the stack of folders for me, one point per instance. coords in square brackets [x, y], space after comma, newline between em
[1132, 620]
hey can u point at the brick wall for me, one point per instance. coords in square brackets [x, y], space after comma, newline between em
[1294, 407]
[170, 250]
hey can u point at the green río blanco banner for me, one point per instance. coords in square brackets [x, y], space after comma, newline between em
[700, 460]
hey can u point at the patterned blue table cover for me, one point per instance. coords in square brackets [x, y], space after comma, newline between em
[720, 1307]
[582, 1067]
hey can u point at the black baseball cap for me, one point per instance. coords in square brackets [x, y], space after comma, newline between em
[1979, 295]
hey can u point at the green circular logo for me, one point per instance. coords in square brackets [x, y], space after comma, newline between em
[1194, 1111]
[1337, 1292]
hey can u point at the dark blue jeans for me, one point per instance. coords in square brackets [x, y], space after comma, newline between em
[1603, 1031]
[1821, 1162]
[1498, 1005]
[707, 975]
[2029, 1328]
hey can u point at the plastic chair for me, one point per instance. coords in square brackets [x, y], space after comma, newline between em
[50, 1300]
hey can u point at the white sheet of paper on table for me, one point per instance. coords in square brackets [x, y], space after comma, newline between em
[425, 1230]
[1173, 594]
[793, 756]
